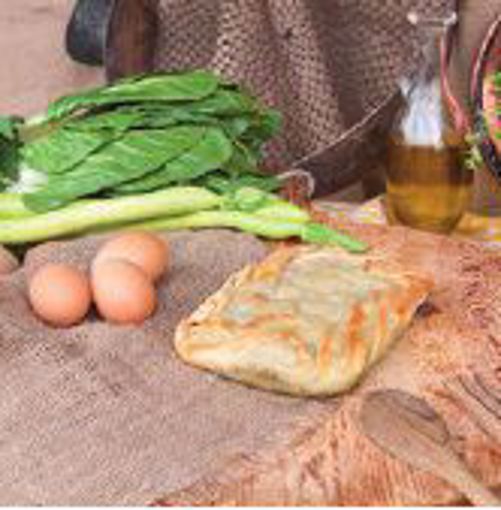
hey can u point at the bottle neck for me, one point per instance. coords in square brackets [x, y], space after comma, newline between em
[430, 70]
[425, 121]
[431, 109]
[432, 33]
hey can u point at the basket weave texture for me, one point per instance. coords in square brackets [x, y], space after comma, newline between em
[330, 66]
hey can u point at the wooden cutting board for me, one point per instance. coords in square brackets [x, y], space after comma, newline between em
[326, 459]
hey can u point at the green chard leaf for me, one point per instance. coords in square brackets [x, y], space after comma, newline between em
[152, 116]
[63, 149]
[158, 115]
[191, 86]
[223, 103]
[118, 119]
[131, 157]
[145, 133]
[210, 153]
[171, 117]
[224, 184]
[317, 233]
[9, 127]
[265, 127]
[10, 158]
[242, 161]
[236, 126]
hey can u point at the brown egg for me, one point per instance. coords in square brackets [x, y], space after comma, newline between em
[60, 294]
[123, 293]
[146, 250]
[8, 263]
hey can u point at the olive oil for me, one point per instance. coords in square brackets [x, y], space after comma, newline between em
[427, 187]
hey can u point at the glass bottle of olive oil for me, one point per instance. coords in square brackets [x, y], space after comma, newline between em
[428, 184]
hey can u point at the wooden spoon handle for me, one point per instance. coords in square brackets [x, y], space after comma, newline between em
[458, 475]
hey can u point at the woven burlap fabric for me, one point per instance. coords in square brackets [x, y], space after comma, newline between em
[99, 414]
[330, 66]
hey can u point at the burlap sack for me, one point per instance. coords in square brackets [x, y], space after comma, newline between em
[97, 414]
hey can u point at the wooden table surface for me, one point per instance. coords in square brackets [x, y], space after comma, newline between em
[327, 459]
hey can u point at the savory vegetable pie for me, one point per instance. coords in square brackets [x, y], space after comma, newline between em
[305, 321]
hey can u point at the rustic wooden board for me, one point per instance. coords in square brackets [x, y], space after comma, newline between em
[326, 459]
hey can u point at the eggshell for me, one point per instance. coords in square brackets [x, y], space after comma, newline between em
[8, 262]
[60, 295]
[123, 292]
[146, 250]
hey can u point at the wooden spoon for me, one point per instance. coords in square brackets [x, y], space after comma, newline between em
[410, 430]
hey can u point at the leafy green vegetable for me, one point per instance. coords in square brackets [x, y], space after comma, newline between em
[317, 233]
[261, 223]
[9, 127]
[98, 141]
[118, 120]
[174, 150]
[268, 124]
[249, 210]
[235, 127]
[121, 139]
[131, 157]
[12, 206]
[242, 161]
[27, 181]
[264, 127]
[269, 228]
[209, 153]
[135, 117]
[250, 200]
[9, 162]
[227, 185]
[10, 145]
[224, 103]
[165, 87]
[85, 214]
[473, 157]
[63, 149]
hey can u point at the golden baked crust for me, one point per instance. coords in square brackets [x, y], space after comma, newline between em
[305, 321]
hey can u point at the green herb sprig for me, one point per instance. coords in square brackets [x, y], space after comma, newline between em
[473, 159]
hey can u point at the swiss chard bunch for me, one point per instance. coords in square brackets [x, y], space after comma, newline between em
[9, 150]
[138, 135]
[158, 152]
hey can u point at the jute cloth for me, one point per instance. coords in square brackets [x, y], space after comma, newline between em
[99, 414]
